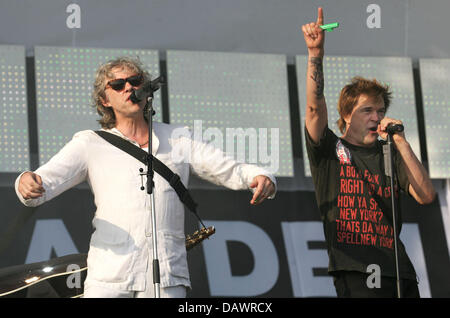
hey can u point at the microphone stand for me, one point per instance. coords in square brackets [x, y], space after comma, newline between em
[390, 172]
[146, 91]
[150, 186]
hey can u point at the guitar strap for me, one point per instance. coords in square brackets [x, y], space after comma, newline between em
[172, 178]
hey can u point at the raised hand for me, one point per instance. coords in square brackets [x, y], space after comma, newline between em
[313, 34]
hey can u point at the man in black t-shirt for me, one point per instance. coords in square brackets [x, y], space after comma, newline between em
[352, 191]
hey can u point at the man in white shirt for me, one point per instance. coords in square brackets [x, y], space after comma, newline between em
[120, 252]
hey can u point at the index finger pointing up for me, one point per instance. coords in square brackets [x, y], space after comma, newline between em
[319, 16]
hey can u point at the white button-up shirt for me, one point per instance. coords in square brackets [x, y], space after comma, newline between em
[118, 251]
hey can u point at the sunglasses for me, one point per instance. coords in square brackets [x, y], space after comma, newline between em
[119, 84]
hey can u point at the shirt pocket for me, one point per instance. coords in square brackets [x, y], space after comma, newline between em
[110, 253]
[173, 256]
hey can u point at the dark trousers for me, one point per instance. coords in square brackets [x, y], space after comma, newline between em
[352, 284]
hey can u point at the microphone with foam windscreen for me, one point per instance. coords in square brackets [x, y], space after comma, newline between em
[146, 89]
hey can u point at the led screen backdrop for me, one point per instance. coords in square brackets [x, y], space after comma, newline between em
[14, 143]
[338, 71]
[434, 76]
[64, 83]
[233, 99]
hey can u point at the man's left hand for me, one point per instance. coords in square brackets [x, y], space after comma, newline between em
[264, 189]
[382, 126]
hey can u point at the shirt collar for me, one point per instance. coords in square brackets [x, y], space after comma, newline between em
[117, 132]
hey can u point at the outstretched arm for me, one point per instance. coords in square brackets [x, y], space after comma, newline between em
[316, 108]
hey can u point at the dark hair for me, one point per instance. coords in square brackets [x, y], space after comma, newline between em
[357, 87]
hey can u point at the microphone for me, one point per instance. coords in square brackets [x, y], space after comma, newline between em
[147, 89]
[394, 128]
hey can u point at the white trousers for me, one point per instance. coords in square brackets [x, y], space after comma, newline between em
[95, 291]
[92, 291]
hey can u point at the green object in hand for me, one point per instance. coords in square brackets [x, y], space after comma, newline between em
[329, 27]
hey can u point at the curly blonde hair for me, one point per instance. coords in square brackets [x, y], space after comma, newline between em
[104, 73]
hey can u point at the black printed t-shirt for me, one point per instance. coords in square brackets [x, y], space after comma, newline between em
[354, 199]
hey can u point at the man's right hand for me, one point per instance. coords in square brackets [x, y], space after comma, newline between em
[316, 117]
[314, 35]
[30, 186]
